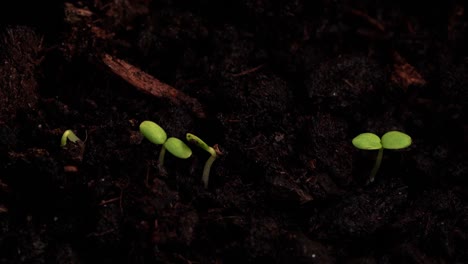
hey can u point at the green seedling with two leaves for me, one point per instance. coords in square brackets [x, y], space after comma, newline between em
[156, 135]
[390, 140]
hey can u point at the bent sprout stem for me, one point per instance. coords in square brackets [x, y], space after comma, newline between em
[206, 169]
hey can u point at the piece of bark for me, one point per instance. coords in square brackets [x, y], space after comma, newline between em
[372, 21]
[405, 74]
[148, 84]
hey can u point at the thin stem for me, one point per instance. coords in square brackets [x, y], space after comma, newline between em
[378, 161]
[206, 170]
[162, 153]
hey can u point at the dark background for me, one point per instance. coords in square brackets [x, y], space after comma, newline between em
[283, 87]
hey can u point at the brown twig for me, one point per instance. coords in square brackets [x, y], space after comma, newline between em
[374, 22]
[104, 202]
[405, 74]
[248, 71]
[148, 84]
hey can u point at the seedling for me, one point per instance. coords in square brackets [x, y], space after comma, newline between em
[73, 152]
[156, 135]
[390, 140]
[206, 169]
[68, 135]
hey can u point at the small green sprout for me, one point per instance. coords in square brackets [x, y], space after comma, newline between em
[390, 140]
[206, 169]
[68, 135]
[156, 135]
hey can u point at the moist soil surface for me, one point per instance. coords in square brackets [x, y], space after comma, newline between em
[279, 88]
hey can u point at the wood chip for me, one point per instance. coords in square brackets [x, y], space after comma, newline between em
[372, 21]
[149, 84]
[405, 74]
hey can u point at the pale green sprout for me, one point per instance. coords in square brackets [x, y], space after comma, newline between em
[213, 154]
[156, 135]
[390, 140]
[68, 135]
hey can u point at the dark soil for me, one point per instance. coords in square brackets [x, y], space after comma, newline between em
[282, 87]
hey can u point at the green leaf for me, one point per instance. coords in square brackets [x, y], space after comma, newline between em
[153, 132]
[367, 141]
[178, 148]
[395, 140]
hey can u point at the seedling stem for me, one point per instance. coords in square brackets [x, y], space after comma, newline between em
[162, 153]
[376, 167]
